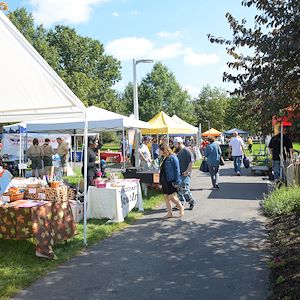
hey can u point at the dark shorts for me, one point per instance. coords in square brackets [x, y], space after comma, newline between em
[64, 161]
[47, 161]
[36, 163]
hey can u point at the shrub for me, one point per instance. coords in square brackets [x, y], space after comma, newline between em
[283, 201]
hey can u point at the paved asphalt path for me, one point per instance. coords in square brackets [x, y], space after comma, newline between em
[215, 251]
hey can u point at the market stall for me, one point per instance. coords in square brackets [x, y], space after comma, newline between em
[231, 131]
[31, 90]
[114, 200]
[31, 209]
[41, 93]
[164, 124]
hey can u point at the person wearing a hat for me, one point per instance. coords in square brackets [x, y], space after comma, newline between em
[185, 158]
[144, 153]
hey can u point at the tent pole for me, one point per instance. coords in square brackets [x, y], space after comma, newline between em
[281, 150]
[20, 152]
[74, 149]
[199, 135]
[85, 179]
[124, 152]
[25, 146]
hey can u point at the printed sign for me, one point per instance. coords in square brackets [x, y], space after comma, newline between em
[129, 197]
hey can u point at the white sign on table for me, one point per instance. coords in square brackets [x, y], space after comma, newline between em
[114, 203]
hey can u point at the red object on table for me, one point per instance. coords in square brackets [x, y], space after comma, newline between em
[117, 156]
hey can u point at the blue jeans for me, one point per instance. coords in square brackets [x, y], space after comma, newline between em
[276, 168]
[237, 161]
[184, 192]
[214, 174]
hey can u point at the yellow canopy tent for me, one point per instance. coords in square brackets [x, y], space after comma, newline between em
[164, 124]
[212, 132]
[193, 129]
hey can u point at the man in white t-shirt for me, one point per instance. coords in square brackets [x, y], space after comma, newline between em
[144, 153]
[236, 150]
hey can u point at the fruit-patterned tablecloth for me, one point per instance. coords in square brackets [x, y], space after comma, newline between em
[47, 222]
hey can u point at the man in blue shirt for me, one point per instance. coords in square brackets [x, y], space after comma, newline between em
[213, 154]
[185, 158]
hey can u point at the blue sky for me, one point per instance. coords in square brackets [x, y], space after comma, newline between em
[171, 31]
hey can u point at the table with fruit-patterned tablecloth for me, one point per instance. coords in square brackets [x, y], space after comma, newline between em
[48, 222]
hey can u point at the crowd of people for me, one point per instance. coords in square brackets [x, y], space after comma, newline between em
[41, 157]
[174, 158]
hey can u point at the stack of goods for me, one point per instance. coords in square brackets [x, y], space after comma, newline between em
[13, 194]
[39, 190]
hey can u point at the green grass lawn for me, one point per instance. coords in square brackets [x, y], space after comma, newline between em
[19, 266]
[111, 146]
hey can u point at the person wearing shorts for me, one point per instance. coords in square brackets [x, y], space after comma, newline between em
[36, 154]
[63, 152]
[48, 152]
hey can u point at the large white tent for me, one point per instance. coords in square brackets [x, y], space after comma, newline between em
[30, 89]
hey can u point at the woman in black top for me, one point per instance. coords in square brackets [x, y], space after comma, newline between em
[170, 179]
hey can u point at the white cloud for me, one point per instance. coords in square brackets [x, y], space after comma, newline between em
[193, 58]
[169, 51]
[68, 11]
[115, 14]
[192, 90]
[129, 48]
[165, 34]
[134, 47]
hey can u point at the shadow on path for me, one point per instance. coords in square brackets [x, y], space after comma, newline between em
[239, 191]
[165, 259]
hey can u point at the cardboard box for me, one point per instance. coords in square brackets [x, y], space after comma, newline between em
[77, 210]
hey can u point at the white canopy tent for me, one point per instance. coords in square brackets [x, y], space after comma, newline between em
[193, 129]
[30, 89]
[98, 119]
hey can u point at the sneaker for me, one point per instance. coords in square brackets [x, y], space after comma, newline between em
[217, 186]
[238, 174]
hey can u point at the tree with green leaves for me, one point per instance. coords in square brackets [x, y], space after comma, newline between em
[235, 117]
[80, 61]
[160, 91]
[269, 77]
[210, 108]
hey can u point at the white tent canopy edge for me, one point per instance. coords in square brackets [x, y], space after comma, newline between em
[30, 89]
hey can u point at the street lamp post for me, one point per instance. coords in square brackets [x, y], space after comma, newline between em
[208, 122]
[136, 106]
